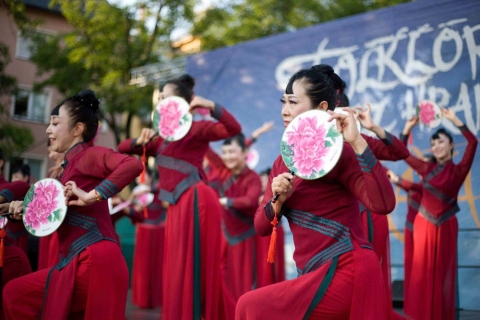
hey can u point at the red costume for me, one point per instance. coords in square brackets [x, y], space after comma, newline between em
[16, 232]
[192, 282]
[91, 267]
[15, 260]
[48, 254]
[339, 274]
[147, 270]
[242, 257]
[432, 284]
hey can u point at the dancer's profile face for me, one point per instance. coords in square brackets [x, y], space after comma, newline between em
[295, 103]
[168, 91]
[60, 132]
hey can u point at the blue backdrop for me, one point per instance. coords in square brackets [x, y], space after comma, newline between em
[391, 58]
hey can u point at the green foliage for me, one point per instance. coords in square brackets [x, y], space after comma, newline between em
[233, 22]
[105, 43]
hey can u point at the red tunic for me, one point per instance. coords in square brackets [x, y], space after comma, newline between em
[91, 260]
[241, 260]
[329, 240]
[16, 232]
[193, 234]
[414, 197]
[147, 269]
[376, 225]
[432, 284]
[48, 255]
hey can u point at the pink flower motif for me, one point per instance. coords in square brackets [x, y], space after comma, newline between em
[170, 116]
[204, 112]
[43, 204]
[308, 145]
[427, 112]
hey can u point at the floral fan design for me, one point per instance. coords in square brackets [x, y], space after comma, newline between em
[429, 113]
[172, 118]
[311, 146]
[44, 207]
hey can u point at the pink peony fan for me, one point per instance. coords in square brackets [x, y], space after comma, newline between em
[311, 146]
[44, 207]
[429, 113]
[172, 119]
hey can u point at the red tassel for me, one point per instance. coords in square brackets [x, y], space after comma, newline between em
[410, 139]
[145, 212]
[144, 160]
[3, 233]
[273, 238]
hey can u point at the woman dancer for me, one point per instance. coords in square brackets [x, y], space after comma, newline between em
[340, 276]
[192, 282]
[92, 266]
[432, 284]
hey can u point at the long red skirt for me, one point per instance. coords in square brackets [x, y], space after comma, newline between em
[269, 273]
[376, 229]
[407, 255]
[187, 289]
[99, 290]
[48, 254]
[434, 265]
[355, 292]
[148, 266]
[15, 264]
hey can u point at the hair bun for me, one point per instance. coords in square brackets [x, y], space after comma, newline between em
[88, 99]
[187, 80]
[323, 68]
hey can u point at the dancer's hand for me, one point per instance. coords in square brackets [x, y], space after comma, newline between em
[347, 126]
[283, 186]
[267, 126]
[145, 136]
[17, 208]
[412, 122]
[392, 176]
[450, 115]
[84, 198]
[199, 102]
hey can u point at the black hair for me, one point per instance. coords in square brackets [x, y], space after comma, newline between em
[430, 158]
[183, 86]
[342, 97]
[320, 83]
[23, 168]
[440, 131]
[266, 172]
[82, 107]
[239, 139]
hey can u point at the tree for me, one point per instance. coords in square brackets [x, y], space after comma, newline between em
[105, 43]
[13, 138]
[237, 21]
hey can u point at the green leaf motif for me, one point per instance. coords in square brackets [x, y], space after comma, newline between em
[328, 144]
[57, 214]
[332, 133]
[156, 120]
[51, 218]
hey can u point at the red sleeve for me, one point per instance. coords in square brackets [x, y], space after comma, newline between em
[389, 148]
[368, 183]
[463, 167]
[408, 185]
[15, 191]
[422, 167]
[121, 170]
[249, 200]
[129, 147]
[217, 164]
[226, 127]
[264, 214]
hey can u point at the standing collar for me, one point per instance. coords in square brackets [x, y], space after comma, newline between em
[73, 151]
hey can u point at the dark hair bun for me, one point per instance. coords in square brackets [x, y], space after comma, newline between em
[338, 83]
[88, 99]
[187, 80]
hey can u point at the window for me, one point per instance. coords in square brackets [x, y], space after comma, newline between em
[29, 105]
[24, 43]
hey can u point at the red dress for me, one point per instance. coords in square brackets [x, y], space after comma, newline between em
[92, 266]
[192, 282]
[147, 269]
[339, 274]
[414, 197]
[432, 284]
[242, 258]
[15, 260]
